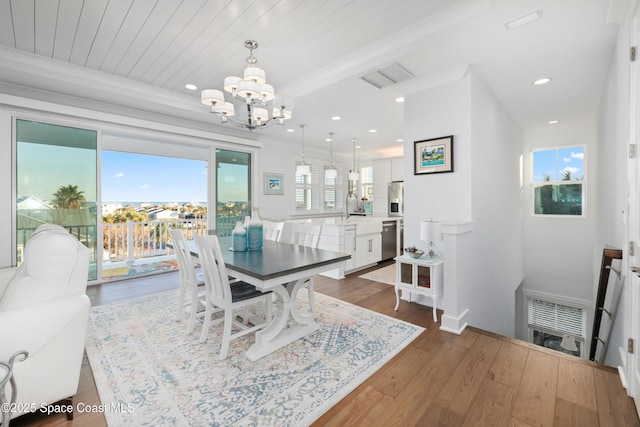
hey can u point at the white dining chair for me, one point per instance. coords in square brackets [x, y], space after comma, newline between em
[308, 235]
[192, 292]
[272, 230]
[222, 295]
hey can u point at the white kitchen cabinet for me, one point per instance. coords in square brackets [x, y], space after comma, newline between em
[359, 237]
[368, 249]
[381, 177]
[397, 169]
[349, 246]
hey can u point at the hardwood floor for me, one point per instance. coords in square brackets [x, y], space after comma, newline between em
[440, 379]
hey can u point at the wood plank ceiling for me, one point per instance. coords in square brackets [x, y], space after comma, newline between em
[315, 51]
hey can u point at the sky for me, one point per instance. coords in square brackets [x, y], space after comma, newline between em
[143, 178]
[556, 161]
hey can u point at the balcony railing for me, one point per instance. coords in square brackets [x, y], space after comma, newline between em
[130, 241]
[133, 240]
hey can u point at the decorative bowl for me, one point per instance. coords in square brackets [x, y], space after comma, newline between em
[414, 252]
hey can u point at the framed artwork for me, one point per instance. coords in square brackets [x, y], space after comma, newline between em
[273, 183]
[433, 155]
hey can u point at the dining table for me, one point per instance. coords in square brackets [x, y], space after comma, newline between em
[280, 268]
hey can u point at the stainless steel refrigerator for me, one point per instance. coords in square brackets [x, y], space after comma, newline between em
[395, 199]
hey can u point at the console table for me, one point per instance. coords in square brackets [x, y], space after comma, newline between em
[420, 276]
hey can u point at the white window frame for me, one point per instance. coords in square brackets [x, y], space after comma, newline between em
[559, 182]
[316, 184]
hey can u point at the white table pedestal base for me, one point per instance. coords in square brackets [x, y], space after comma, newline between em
[287, 326]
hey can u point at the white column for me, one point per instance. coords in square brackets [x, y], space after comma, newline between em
[456, 235]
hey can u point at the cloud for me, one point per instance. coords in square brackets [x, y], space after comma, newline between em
[119, 175]
[144, 186]
[579, 156]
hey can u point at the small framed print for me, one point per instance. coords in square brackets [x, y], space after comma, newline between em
[273, 183]
[433, 155]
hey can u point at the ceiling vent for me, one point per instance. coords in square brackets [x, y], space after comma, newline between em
[387, 76]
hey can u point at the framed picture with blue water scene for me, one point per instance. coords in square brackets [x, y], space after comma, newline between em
[433, 155]
[273, 183]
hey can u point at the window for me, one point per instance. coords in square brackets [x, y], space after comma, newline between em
[316, 192]
[366, 181]
[555, 325]
[56, 182]
[558, 181]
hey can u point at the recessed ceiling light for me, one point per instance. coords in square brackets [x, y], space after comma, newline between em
[399, 140]
[191, 86]
[358, 146]
[373, 130]
[291, 130]
[524, 20]
[553, 122]
[542, 81]
[400, 99]
[336, 118]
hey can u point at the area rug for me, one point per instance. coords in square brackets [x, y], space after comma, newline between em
[141, 269]
[385, 275]
[149, 372]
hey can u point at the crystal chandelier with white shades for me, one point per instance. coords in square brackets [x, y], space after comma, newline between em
[263, 106]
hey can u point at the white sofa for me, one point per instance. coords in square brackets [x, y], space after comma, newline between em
[44, 310]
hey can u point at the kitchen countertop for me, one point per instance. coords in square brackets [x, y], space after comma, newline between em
[354, 219]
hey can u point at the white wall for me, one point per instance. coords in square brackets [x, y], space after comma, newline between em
[276, 158]
[611, 199]
[497, 211]
[483, 188]
[558, 251]
[281, 158]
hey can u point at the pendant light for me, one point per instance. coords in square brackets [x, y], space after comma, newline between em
[353, 174]
[331, 171]
[302, 167]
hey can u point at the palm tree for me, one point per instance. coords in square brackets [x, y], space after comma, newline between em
[68, 197]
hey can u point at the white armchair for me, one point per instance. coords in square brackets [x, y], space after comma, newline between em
[44, 310]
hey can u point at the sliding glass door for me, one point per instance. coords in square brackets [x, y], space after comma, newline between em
[233, 189]
[56, 182]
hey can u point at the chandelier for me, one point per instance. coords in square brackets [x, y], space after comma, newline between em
[263, 106]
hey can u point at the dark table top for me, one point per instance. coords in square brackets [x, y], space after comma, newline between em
[277, 259]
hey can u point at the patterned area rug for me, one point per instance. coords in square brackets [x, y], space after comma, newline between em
[149, 372]
[385, 275]
[141, 269]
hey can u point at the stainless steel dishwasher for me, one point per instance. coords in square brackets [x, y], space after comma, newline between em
[389, 235]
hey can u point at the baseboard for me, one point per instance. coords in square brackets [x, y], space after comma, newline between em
[454, 325]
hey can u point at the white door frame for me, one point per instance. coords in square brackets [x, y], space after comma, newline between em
[630, 373]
